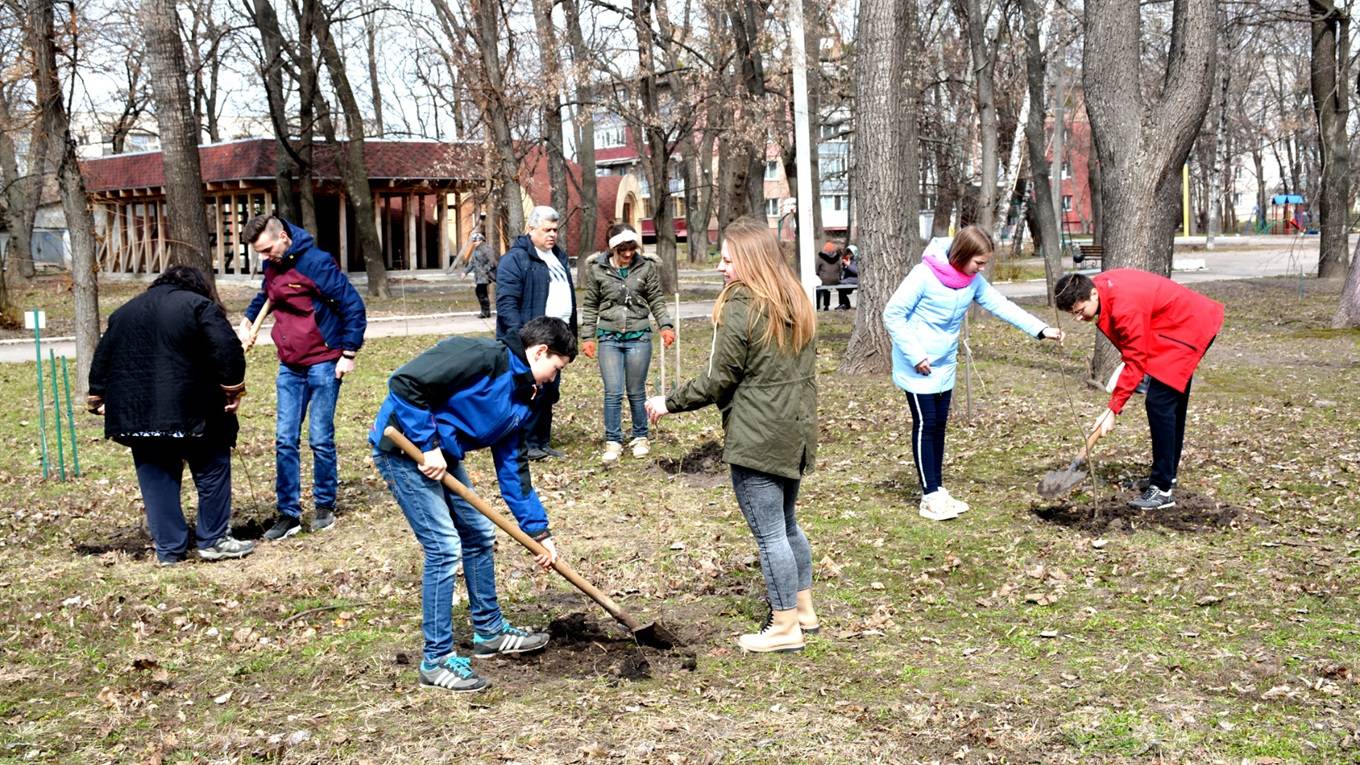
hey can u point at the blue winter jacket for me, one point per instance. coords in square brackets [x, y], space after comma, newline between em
[522, 288]
[465, 394]
[924, 318]
[317, 311]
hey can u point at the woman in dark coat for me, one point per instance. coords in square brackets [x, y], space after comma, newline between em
[168, 376]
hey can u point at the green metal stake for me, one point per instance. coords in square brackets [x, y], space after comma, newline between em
[42, 405]
[70, 417]
[56, 414]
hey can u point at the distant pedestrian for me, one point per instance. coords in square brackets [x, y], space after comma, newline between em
[849, 278]
[480, 261]
[168, 376]
[622, 297]
[319, 323]
[829, 273]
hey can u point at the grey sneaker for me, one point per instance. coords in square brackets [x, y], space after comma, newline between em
[324, 518]
[511, 640]
[286, 526]
[1153, 499]
[452, 673]
[226, 547]
[1142, 484]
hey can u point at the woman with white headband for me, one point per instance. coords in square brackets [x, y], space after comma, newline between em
[622, 297]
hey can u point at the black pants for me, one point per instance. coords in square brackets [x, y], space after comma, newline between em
[929, 416]
[483, 300]
[823, 298]
[160, 468]
[541, 415]
[843, 297]
[1166, 422]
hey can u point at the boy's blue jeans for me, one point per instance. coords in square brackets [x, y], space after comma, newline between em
[300, 389]
[623, 365]
[447, 528]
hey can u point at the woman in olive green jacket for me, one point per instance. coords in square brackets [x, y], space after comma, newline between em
[762, 375]
[622, 295]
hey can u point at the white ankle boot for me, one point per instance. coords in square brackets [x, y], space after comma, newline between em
[781, 633]
[807, 616]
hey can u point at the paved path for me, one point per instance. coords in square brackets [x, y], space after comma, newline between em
[1263, 256]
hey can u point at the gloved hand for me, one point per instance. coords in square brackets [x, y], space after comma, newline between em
[588, 349]
[667, 337]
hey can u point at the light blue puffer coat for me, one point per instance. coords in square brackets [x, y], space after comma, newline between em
[924, 318]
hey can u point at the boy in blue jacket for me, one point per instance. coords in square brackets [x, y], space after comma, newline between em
[465, 394]
[319, 323]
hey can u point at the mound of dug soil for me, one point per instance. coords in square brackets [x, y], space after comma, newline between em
[135, 541]
[701, 468]
[1192, 513]
[584, 647]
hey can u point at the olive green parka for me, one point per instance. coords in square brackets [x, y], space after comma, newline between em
[622, 304]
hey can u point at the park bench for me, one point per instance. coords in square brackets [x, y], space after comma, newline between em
[1089, 254]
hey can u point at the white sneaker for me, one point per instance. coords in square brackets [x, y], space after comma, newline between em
[960, 507]
[936, 506]
[612, 451]
[640, 447]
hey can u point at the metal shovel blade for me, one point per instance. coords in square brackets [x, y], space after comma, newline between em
[1057, 483]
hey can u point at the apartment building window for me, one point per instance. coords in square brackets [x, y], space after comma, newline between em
[1067, 202]
[1066, 170]
[772, 170]
[841, 202]
[611, 137]
[772, 207]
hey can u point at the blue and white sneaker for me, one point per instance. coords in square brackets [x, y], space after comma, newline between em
[511, 640]
[452, 673]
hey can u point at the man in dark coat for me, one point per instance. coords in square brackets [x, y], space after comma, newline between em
[168, 376]
[534, 279]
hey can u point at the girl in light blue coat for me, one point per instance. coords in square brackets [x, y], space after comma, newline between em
[924, 317]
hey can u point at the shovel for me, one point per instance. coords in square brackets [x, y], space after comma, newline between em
[651, 634]
[1059, 482]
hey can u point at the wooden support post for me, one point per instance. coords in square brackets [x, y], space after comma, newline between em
[147, 243]
[162, 240]
[408, 209]
[344, 234]
[379, 221]
[442, 221]
[220, 249]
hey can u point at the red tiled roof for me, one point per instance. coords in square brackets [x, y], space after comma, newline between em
[253, 159]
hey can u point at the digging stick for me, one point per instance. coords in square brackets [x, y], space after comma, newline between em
[647, 634]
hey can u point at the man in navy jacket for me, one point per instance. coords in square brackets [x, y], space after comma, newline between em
[534, 279]
[319, 323]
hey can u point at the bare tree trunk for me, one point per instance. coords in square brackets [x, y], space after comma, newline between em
[375, 87]
[313, 112]
[886, 176]
[1348, 309]
[1035, 71]
[21, 193]
[552, 108]
[188, 225]
[1141, 141]
[658, 157]
[74, 203]
[748, 178]
[585, 129]
[1220, 159]
[984, 75]
[491, 99]
[1330, 84]
[271, 44]
[352, 159]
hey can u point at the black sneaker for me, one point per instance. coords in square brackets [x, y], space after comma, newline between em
[226, 547]
[1153, 499]
[452, 673]
[285, 526]
[554, 453]
[511, 640]
[324, 518]
[535, 454]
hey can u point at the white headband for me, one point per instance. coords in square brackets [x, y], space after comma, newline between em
[624, 236]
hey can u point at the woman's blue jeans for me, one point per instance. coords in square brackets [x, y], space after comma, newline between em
[447, 528]
[623, 365]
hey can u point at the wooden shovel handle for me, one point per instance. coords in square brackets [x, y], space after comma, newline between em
[559, 565]
[259, 322]
[1085, 454]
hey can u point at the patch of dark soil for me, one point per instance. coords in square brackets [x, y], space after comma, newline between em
[1192, 513]
[702, 467]
[584, 647]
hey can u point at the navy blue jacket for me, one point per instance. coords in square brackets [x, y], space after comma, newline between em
[522, 288]
[464, 394]
[317, 311]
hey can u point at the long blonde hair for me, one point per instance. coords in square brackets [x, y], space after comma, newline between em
[759, 265]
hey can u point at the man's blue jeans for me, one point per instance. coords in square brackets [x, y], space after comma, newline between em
[300, 389]
[447, 528]
[623, 365]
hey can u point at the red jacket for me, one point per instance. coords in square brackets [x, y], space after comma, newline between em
[1160, 328]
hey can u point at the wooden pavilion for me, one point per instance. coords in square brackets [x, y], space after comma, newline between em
[422, 190]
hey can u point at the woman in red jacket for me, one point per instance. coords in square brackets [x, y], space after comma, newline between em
[1161, 330]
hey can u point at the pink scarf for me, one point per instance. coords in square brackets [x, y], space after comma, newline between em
[948, 275]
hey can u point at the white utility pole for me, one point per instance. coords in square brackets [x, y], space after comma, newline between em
[802, 145]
